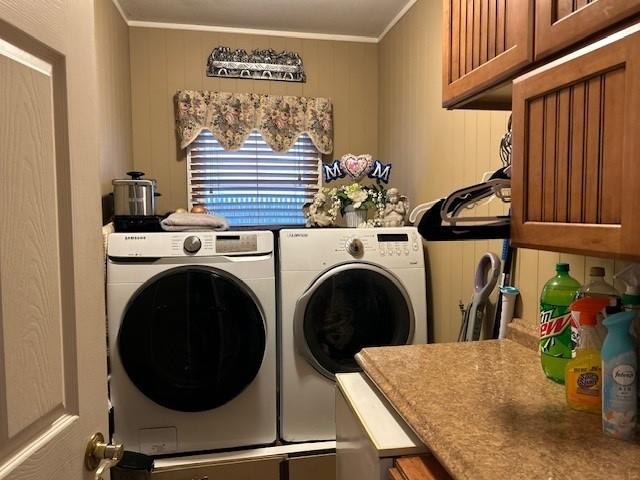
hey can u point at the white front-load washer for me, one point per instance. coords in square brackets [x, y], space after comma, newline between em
[341, 290]
[192, 335]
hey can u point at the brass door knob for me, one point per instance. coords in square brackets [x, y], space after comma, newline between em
[101, 456]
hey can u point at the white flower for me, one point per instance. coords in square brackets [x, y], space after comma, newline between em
[357, 197]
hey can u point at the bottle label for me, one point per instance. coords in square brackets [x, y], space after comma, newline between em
[584, 386]
[555, 330]
[624, 375]
[619, 398]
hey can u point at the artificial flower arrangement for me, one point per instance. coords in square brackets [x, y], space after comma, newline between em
[352, 201]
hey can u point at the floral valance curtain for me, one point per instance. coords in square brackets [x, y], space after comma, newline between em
[232, 116]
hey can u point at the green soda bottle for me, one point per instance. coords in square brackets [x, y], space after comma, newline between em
[556, 342]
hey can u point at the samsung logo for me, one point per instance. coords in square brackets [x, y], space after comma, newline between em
[297, 235]
[135, 237]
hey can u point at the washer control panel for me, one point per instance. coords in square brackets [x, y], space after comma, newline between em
[384, 244]
[367, 243]
[180, 244]
[243, 243]
[318, 248]
[400, 244]
[192, 244]
[355, 247]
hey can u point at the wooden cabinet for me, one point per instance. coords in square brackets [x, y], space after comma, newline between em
[424, 467]
[562, 23]
[576, 148]
[485, 43]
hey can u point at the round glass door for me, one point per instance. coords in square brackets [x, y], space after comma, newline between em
[192, 338]
[348, 309]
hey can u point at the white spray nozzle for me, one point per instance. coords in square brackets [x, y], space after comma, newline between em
[631, 277]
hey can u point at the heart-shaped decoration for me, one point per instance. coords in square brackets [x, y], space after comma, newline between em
[356, 166]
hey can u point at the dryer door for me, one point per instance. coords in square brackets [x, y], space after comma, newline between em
[348, 308]
[192, 338]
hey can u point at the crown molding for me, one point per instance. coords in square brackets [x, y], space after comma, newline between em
[274, 33]
[254, 31]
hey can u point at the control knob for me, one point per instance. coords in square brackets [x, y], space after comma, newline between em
[192, 244]
[355, 247]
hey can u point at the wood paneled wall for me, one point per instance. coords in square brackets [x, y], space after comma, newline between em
[164, 61]
[114, 93]
[436, 151]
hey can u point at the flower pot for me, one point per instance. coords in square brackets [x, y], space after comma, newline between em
[353, 217]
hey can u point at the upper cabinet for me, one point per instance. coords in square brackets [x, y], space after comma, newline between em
[562, 23]
[576, 174]
[485, 42]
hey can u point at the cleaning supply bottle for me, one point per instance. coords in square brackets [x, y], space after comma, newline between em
[619, 381]
[631, 297]
[631, 301]
[556, 344]
[599, 288]
[583, 374]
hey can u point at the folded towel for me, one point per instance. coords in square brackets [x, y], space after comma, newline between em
[193, 222]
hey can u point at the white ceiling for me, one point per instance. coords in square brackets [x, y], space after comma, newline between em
[359, 18]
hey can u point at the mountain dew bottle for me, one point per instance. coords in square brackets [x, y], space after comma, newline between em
[556, 341]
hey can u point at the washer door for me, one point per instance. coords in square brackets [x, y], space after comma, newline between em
[192, 338]
[346, 309]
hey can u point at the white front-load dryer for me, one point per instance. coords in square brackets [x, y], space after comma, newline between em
[341, 290]
[192, 322]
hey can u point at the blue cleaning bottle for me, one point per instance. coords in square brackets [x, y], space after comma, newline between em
[619, 378]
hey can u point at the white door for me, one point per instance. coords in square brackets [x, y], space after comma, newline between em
[52, 330]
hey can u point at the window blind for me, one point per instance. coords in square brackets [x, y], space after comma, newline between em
[253, 185]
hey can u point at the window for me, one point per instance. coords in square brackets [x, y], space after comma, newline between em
[254, 185]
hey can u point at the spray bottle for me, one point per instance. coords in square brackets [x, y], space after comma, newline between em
[583, 374]
[631, 301]
[619, 378]
[631, 297]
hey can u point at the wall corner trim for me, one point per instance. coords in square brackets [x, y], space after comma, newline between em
[396, 19]
[121, 11]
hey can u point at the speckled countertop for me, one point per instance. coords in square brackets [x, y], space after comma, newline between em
[486, 410]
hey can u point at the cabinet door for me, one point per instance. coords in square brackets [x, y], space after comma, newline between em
[561, 23]
[485, 42]
[575, 151]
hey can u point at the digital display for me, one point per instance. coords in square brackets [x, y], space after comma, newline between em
[393, 237]
[236, 243]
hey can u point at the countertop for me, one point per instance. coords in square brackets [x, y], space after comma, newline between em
[486, 411]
